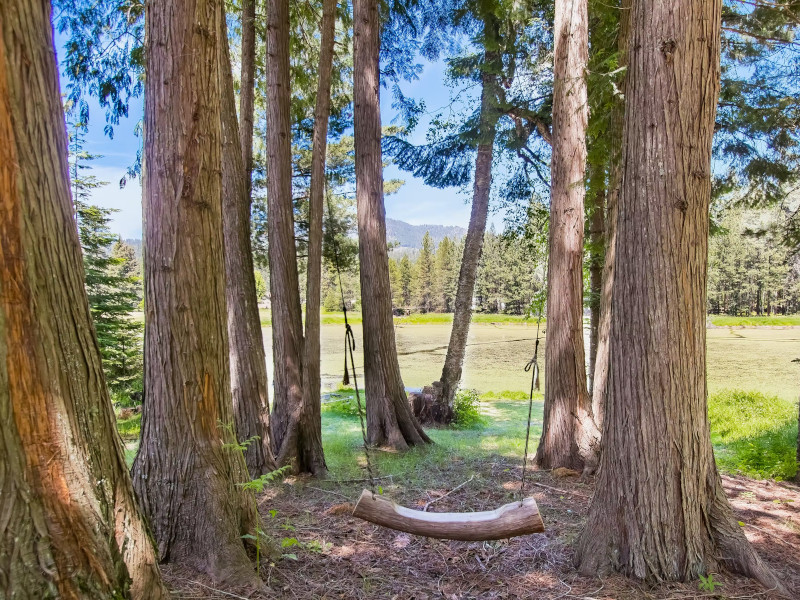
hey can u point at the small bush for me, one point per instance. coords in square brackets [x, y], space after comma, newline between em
[754, 434]
[466, 410]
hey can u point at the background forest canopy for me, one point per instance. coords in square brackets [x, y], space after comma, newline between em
[755, 209]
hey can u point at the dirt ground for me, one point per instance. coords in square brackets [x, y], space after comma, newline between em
[337, 556]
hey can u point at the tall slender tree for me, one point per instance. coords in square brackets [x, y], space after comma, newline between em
[247, 90]
[247, 357]
[311, 426]
[389, 419]
[569, 436]
[185, 473]
[296, 431]
[71, 526]
[659, 511]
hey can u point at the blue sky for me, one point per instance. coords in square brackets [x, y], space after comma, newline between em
[415, 203]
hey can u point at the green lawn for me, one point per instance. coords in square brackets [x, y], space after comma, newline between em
[776, 321]
[337, 318]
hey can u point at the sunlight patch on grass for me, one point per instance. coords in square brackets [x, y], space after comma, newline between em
[755, 321]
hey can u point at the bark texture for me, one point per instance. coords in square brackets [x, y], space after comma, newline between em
[247, 92]
[185, 476]
[389, 419]
[69, 525]
[659, 511]
[473, 244]
[247, 358]
[569, 436]
[600, 358]
[597, 242]
[296, 436]
[311, 423]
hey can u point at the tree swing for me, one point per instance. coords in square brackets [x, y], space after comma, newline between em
[520, 517]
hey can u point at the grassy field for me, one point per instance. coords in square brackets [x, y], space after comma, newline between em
[752, 381]
[337, 318]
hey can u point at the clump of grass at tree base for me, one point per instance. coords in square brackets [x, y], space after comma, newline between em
[130, 428]
[754, 434]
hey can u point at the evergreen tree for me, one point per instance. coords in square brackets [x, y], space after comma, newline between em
[446, 279]
[112, 284]
[423, 294]
[406, 281]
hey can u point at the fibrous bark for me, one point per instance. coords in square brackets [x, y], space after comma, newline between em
[247, 90]
[311, 422]
[70, 527]
[596, 251]
[659, 511]
[473, 244]
[247, 358]
[389, 419]
[569, 436]
[185, 474]
[296, 437]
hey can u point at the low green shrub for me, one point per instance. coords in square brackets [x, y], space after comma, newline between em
[467, 410]
[754, 434]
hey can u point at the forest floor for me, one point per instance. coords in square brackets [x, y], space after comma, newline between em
[329, 554]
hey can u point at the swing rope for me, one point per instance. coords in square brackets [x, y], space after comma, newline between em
[533, 368]
[349, 346]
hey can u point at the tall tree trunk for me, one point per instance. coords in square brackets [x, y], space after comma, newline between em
[184, 475]
[70, 527]
[311, 425]
[247, 357]
[389, 419]
[597, 243]
[247, 91]
[600, 359]
[659, 511]
[473, 245]
[569, 436]
[288, 443]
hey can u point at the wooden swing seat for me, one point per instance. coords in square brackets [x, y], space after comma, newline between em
[510, 520]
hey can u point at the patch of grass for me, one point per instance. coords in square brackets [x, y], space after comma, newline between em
[354, 317]
[754, 434]
[343, 402]
[129, 428]
[507, 395]
[503, 435]
[754, 321]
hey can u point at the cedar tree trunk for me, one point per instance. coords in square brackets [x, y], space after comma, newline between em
[473, 245]
[569, 436]
[296, 430]
[247, 357]
[659, 511]
[185, 476]
[389, 419]
[247, 91]
[600, 358]
[70, 526]
[596, 251]
[311, 425]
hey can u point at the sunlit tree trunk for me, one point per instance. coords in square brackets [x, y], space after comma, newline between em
[70, 527]
[473, 244]
[389, 419]
[185, 475]
[311, 424]
[569, 436]
[659, 511]
[247, 357]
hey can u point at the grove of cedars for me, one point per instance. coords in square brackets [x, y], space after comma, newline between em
[644, 157]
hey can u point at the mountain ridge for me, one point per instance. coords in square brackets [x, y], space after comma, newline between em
[410, 236]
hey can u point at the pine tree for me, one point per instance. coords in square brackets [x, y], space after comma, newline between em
[111, 279]
[423, 296]
[406, 281]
